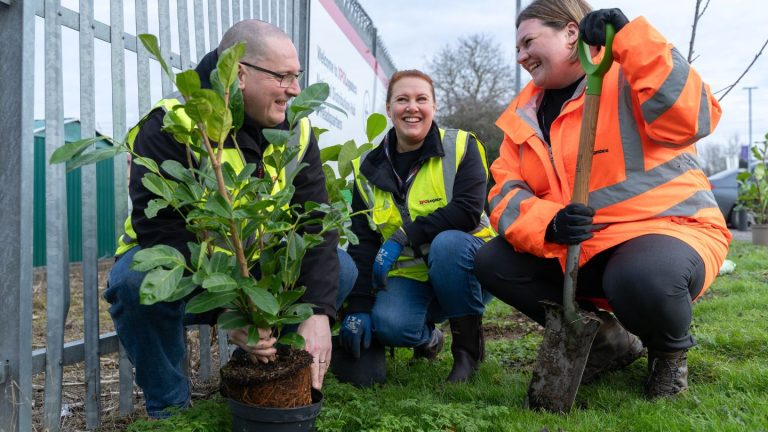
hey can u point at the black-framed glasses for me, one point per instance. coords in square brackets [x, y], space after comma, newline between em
[286, 80]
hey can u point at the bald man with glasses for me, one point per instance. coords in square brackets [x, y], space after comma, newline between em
[153, 335]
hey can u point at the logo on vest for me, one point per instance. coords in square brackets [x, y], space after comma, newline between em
[430, 201]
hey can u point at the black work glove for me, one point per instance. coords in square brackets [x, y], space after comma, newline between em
[592, 26]
[572, 225]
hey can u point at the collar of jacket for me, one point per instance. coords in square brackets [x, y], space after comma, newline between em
[519, 129]
[378, 169]
[249, 136]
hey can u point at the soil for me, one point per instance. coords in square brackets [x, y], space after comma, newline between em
[73, 393]
[283, 383]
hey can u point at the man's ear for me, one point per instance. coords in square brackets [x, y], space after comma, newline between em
[240, 77]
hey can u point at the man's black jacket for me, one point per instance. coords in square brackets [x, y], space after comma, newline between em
[320, 267]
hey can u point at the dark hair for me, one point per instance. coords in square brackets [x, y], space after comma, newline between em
[410, 73]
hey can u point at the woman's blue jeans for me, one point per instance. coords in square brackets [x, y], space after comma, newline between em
[405, 312]
[153, 335]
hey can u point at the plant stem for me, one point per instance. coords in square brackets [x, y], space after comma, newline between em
[233, 228]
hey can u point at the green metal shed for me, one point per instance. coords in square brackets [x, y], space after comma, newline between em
[105, 200]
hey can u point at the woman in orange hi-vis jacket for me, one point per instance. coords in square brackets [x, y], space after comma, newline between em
[652, 237]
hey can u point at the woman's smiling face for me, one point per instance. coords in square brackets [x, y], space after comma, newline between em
[411, 108]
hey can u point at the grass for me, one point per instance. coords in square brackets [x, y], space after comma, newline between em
[728, 379]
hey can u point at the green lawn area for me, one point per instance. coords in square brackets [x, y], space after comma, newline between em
[728, 379]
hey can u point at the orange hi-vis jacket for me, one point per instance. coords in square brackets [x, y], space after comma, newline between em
[645, 176]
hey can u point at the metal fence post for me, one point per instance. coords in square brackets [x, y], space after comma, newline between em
[17, 31]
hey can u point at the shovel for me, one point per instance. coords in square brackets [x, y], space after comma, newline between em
[569, 332]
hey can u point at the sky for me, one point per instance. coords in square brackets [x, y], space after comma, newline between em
[729, 35]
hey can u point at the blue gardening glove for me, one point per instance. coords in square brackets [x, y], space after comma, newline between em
[572, 225]
[387, 256]
[356, 330]
[592, 26]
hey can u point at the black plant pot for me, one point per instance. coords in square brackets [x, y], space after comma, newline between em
[247, 418]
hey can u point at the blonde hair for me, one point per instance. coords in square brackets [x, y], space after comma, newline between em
[556, 14]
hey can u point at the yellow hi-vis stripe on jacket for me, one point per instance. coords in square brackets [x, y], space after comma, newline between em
[230, 155]
[431, 189]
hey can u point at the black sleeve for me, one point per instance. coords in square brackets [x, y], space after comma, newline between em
[168, 227]
[320, 267]
[464, 211]
[362, 296]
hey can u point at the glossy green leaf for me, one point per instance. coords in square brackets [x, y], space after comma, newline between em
[157, 185]
[93, 157]
[70, 150]
[177, 171]
[207, 300]
[261, 297]
[187, 82]
[155, 206]
[146, 163]
[159, 284]
[229, 64]
[219, 206]
[253, 336]
[287, 298]
[185, 287]
[219, 282]
[156, 256]
[293, 339]
[277, 137]
[375, 125]
[347, 154]
[150, 43]
[233, 320]
[330, 153]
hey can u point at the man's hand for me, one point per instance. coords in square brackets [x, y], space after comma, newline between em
[264, 351]
[572, 225]
[386, 257]
[316, 331]
[592, 26]
[356, 331]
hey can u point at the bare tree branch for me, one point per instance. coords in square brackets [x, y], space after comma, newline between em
[696, 16]
[730, 87]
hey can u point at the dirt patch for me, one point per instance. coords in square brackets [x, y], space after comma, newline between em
[73, 388]
[510, 327]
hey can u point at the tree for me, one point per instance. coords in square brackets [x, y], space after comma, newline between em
[474, 83]
[715, 156]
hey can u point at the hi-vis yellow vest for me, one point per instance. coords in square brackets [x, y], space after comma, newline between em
[431, 189]
[229, 155]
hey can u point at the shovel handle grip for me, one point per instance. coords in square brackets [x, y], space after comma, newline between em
[580, 195]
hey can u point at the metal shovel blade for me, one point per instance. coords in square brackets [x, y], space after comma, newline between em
[561, 360]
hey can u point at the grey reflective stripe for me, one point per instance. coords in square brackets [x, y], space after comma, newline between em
[638, 180]
[449, 162]
[506, 189]
[638, 183]
[700, 200]
[632, 144]
[670, 90]
[512, 210]
[704, 125]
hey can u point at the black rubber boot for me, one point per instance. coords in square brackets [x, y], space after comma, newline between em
[432, 348]
[467, 347]
[667, 373]
[613, 348]
[369, 369]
